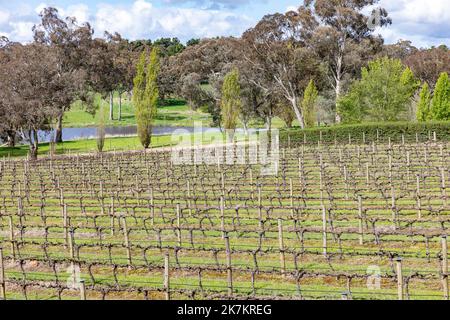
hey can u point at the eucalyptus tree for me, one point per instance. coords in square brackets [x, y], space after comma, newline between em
[282, 65]
[70, 43]
[31, 84]
[341, 34]
[8, 125]
[123, 69]
[429, 64]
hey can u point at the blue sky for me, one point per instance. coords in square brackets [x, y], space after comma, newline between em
[425, 22]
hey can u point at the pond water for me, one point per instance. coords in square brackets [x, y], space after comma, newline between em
[70, 134]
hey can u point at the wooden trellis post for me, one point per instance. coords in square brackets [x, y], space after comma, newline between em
[82, 290]
[443, 186]
[189, 198]
[2, 277]
[367, 174]
[112, 214]
[445, 267]
[127, 240]
[222, 216]
[324, 231]
[229, 267]
[72, 256]
[281, 247]
[408, 165]
[12, 238]
[65, 225]
[394, 207]
[152, 205]
[321, 178]
[419, 198]
[222, 178]
[167, 276]
[260, 208]
[251, 183]
[291, 195]
[398, 262]
[179, 225]
[346, 182]
[361, 221]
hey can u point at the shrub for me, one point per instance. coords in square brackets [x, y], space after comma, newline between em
[380, 132]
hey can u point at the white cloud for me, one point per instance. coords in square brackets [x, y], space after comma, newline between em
[291, 8]
[14, 28]
[21, 31]
[425, 23]
[143, 20]
[215, 4]
[4, 17]
[79, 11]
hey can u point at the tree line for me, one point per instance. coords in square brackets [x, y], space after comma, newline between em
[318, 65]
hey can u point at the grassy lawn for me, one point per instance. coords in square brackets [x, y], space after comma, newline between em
[111, 144]
[175, 114]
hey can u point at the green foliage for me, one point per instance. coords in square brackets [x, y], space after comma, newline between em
[383, 94]
[168, 46]
[192, 42]
[440, 106]
[409, 81]
[349, 108]
[145, 95]
[309, 105]
[231, 100]
[377, 132]
[424, 105]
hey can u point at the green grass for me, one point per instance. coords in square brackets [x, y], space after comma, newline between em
[111, 144]
[175, 114]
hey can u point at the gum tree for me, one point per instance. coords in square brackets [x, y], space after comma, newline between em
[342, 35]
[70, 43]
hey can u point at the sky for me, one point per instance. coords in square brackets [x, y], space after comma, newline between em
[424, 22]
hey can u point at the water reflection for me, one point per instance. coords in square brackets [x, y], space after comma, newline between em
[70, 134]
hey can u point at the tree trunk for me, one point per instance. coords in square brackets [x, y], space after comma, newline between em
[245, 124]
[111, 106]
[34, 144]
[269, 132]
[339, 75]
[120, 106]
[58, 133]
[11, 139]
[298, 112]
[268, 123]
[338, 95]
